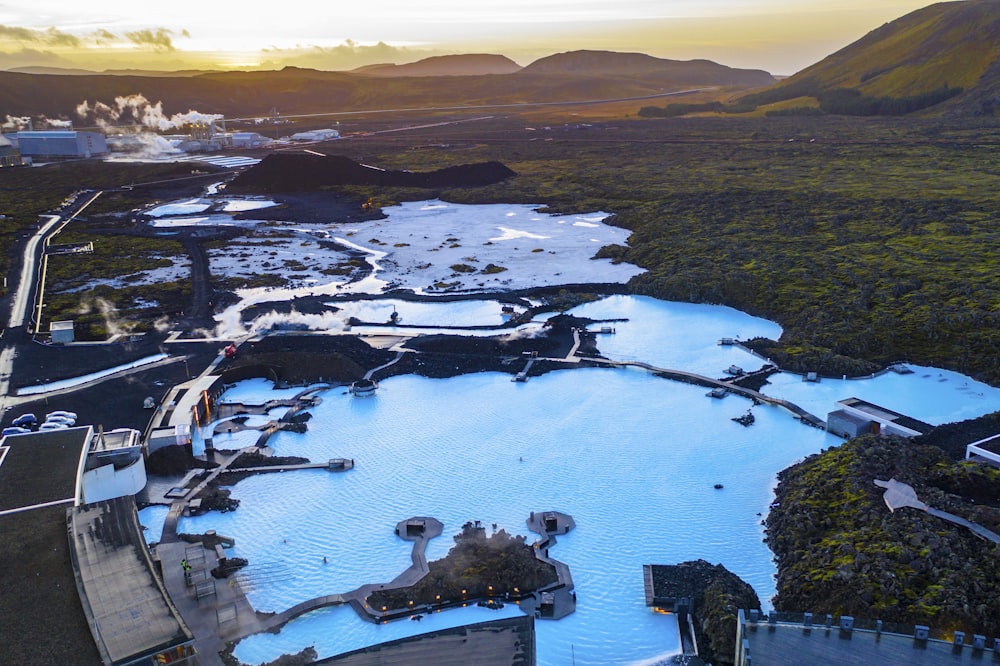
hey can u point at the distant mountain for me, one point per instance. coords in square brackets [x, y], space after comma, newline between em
[474, 64]
[640, 65]
[61, 71]
[576, 77]
[947, 51]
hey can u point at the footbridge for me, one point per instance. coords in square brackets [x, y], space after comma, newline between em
[729, 385]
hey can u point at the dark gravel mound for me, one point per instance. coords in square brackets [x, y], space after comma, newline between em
[283, 172]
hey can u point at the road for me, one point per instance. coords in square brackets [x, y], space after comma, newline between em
[474, 107]
[26, 283]
[28, 286]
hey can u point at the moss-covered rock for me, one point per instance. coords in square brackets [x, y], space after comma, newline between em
[841, 551]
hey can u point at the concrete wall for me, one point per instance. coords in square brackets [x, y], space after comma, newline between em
[105, 482]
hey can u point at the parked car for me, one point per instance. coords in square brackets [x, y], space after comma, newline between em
[14, 430]
[66, 415]
[60, 419]
[24, 420]
[49, 425]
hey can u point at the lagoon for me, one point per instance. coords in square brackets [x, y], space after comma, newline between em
[632, 457]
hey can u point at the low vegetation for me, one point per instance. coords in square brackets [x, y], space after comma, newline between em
[477, 566]
[841, 551]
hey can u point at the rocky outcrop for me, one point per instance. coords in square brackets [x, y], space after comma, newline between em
[298, 172]
[841, 551]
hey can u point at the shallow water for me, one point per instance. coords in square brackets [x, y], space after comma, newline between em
[632, 457]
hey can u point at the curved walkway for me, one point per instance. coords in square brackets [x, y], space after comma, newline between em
[431, 527]
[562, 601]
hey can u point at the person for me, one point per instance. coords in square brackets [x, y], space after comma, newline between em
[324, 559]
[185, 566]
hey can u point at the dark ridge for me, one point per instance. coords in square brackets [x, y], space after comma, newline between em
[282, 172]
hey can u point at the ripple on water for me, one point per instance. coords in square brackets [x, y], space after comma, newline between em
[633, 458]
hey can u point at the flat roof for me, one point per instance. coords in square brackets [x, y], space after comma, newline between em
[506, 642]
[41, 618]
[885, 414]
[41, 467]
[125, 600]
[795, 645]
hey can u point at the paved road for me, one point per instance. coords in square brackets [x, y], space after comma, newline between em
[26, 283]
[26, 293]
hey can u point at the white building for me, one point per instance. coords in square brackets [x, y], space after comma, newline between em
[61, 332]
[115, 466]
[316, 135]
[249, 140]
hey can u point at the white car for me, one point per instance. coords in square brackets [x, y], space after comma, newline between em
[64, 420]
[65, 415]
[51, 425]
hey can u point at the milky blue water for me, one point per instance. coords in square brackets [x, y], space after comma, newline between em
[633, 458]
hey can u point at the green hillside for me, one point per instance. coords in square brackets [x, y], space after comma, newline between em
[945, 52]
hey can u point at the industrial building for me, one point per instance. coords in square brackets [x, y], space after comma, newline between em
[316, 135]
[9, 154]
[61, 144]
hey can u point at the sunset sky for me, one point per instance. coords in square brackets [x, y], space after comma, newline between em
[780, 36]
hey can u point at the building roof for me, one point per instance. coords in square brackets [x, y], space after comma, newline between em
[506, 642]
[42, 467]
[123, 598]
[795, 645]
[887, 415]
[50, 134]
[41, 618]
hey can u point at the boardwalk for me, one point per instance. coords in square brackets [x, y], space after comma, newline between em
[431, 527]
[559, 599]
[729, 385]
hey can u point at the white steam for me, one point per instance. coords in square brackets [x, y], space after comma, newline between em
[231, 325]
[108, 313]
[136, 109]
[16, 123]
[142, 145]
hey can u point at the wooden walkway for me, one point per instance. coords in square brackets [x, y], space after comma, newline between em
[356, 598]
[563, 596]
[729, 385]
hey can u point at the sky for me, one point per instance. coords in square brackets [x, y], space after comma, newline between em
[780, 36]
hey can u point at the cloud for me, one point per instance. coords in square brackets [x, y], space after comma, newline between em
[348, 55]
[104, 37]
[50, 37]
[160, 39]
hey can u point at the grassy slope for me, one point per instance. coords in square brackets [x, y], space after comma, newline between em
[946, 44]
